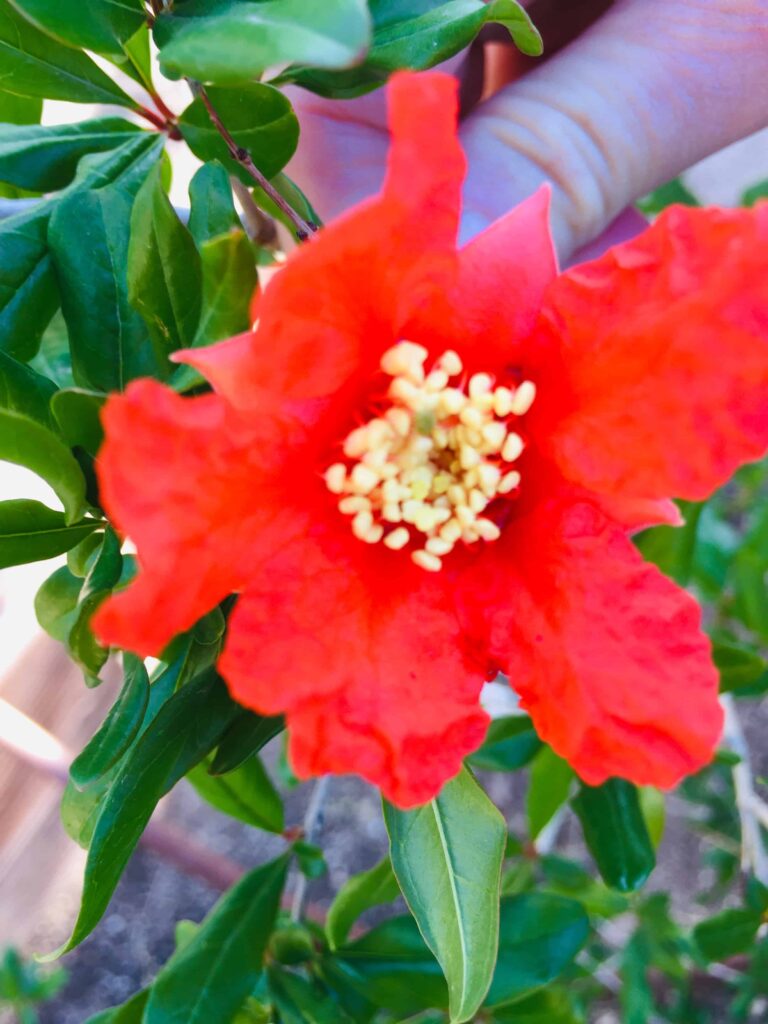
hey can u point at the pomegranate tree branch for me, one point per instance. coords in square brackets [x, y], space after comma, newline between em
[302, 227]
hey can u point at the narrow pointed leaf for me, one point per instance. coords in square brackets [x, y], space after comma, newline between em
[247, 793]
[98, 25]
[78, 415]
[30, 532]
[212, 211]
[36, 65]
[244, 738]
[209, 978]
[360, 893]
[447, 857]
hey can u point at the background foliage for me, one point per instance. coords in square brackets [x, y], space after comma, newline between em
[101, 279]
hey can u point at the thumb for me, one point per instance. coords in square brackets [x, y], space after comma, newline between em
[651, 88]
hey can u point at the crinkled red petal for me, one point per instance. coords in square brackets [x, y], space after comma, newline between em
[606, 653]
[342, 298]
[198, 491]
[658, 376]
[363, 653]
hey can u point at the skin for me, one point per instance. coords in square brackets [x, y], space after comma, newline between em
[628, 97]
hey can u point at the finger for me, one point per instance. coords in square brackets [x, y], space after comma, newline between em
[652, 87]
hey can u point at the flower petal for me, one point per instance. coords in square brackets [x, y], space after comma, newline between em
[663, 357]
[363, 653]
[342, 297]
[604, 651]
[489, 307]
[195, 488]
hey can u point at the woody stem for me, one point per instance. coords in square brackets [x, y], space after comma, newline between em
[302, 227]
[313, 820]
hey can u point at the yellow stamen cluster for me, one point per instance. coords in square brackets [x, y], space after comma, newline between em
[426, 470]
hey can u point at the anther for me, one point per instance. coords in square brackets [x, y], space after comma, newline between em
[335, 477]
[353, 504]
[403, 358]
[397, 539]
[513, 448]
[479, 384]
[427, 561]
[509, 482]
[363, 478]
[450, 361]
[523, 398]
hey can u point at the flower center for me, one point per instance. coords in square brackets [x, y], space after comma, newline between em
[425, 471]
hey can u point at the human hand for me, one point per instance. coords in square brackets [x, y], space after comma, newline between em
[650, 88]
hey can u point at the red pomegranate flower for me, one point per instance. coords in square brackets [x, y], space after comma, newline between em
[422, 467]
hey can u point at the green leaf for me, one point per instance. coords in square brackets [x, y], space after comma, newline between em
[45, 157]
[29, 293]
[20, 109]
[674, 191]
[447, 857]
[551, 780]
[31, 532]
[139, 58]
[247, 793]
[673, 548]
[232, 41]
[727, 933]
[186, 729]
[36, 65]
[310, 859]
[109, 342]
[418, 34]
[653, 806]
[743, 670]
[550, 1007]
[510, 744]
[358, 894]
[118, 729]
[99, 25]
[303, 1002]
[131, 1012]
[616, 833]
[78, 416]
[244, 738]
[103, 575]
[229, 280]
[753, 195]
[29, 444]
[24, 391]
[164, 271]
[56, 603]
[207, 980]
[294, 196]
[260, 119]
[212, 211]
[392, 967]
[539, 936]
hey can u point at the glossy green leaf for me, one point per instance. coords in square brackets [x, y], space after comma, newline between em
[673, 548]
[109, 342]
[447, 857]
[78, 415]
[31, 532]
[212, 211]
[119, 728]
[229, 280]
[743, 670]
[24, 391]
[29, 294]
[244, 738]
[164, 271]
[139, 57]
[299, 1001]
[392, 967]
[103, 575]
[653, 806]
[56, 603]
[539, 936]
[550, 1007]
[20, 109]
[510, 743]
[358, 894]
[418, 34]
[260, 119]
[616, 833]
[208, 979]
[728, 933]
[34, 64]
[292, 943]
[45, 157]
[310, 859]
[185, 730]
[131, 1012]
[98, 25]
[247, 793]
[551, 781]
[232, 41]
[29, 444]
[674, 191]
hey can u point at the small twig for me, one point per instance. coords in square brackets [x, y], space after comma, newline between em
[155, 119]
[302, 227]
[261, 228]
[313, 821]
[754, 857]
